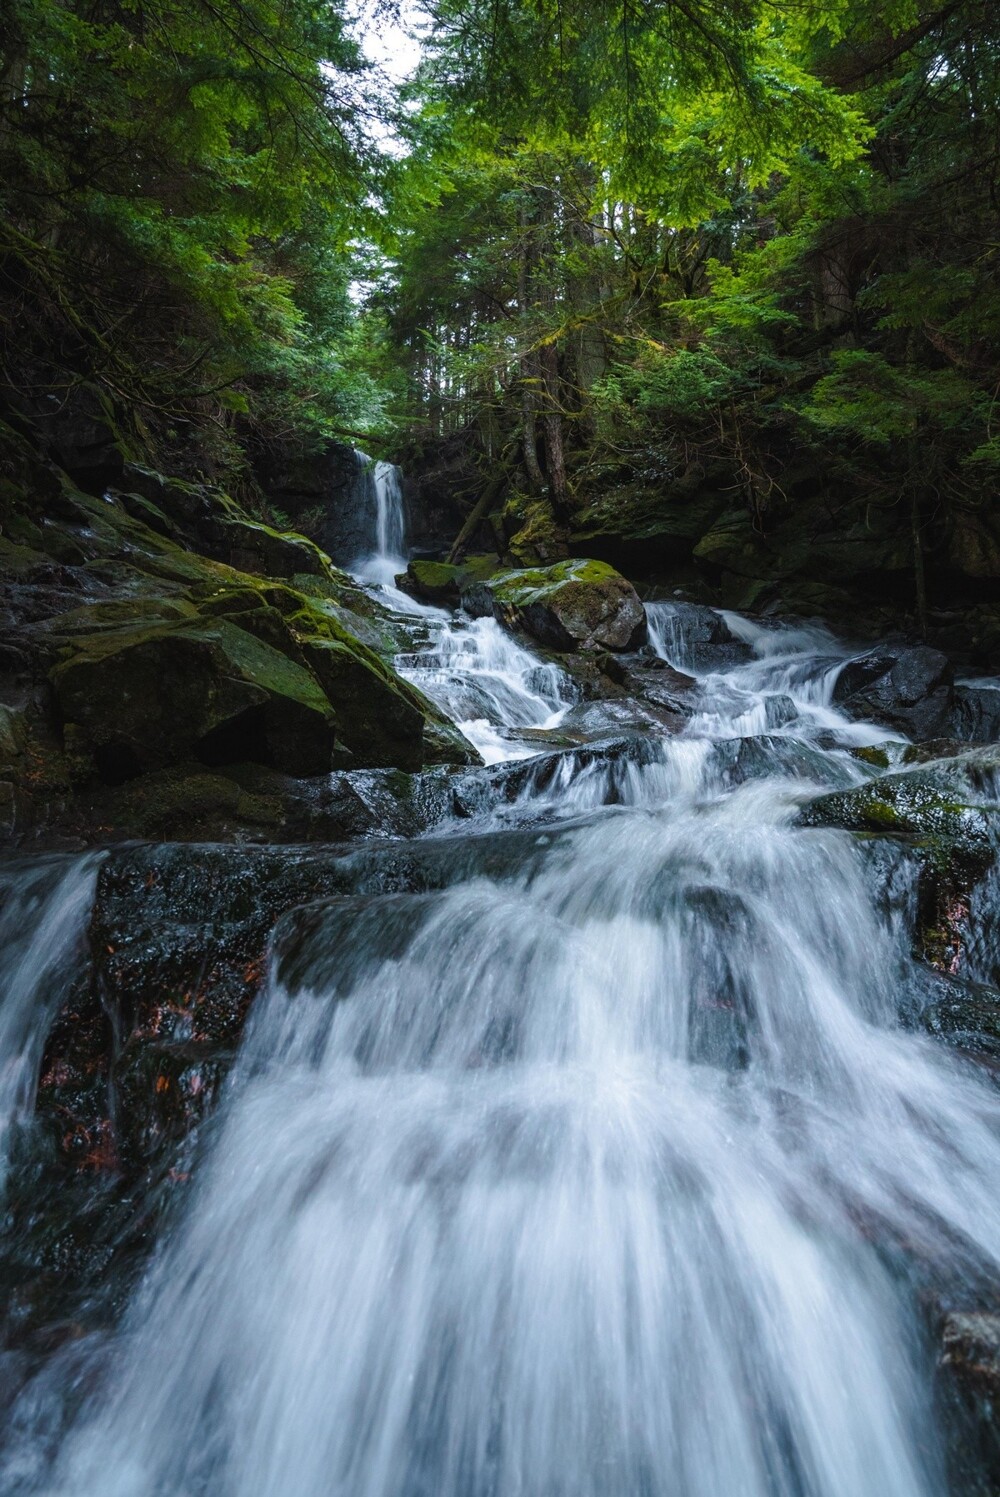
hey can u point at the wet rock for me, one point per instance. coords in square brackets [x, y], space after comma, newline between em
[206, 690]
[946, 815]
[910, 689]
[591, 721]
[970, 1346]
[964, 1014]
[969, 1385]
[178, 937]
[574, 605]
[975, 713]
[381, 719]
[441, 583]
[755, 758]
[695, 638]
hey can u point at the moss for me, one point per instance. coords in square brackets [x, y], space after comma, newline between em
[874, 754]
[442, 581]
[13, 734]
[577, 604]
[120, 614]
[17, 560]
[188, 801]
[150, 697]
[538, 537]
[953, 840]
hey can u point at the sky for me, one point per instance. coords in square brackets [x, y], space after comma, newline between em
[387, 41]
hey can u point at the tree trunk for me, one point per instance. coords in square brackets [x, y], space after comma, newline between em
[480, 510]
[555, 457]
[528, 364]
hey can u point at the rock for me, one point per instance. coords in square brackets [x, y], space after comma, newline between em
[694, 637]
[970, 1346]
[574, 605]
[910, 689]
[969, 1383]
[178, 937]
[249, 546]
[535, 538]
[204, 689]
[941, 813]
[975, 713]
[440, 582]
[964, 1014]
[382, 719]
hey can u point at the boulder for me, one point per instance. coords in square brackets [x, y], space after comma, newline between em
[964, 1014]
[969, 1383]
[382, 720]
[441, 582]
[910, 689]
[945, 813]
[204, 689]
[574, 605]
[975, 713]
[695, 637]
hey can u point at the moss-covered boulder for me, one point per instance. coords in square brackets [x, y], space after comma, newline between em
[574, 605]
[204, 689]
[381, 718]
[441, 582]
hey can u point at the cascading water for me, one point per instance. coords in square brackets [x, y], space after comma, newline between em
[488, 684]
[44, 908]
[603, 1171]
[380, 496]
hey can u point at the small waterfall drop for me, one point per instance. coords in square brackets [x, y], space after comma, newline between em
[379, 495]
[44, 908]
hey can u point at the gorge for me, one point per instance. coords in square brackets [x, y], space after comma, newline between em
[499, 748]
[631, 1128]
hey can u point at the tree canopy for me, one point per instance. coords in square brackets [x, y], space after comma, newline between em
[602, 238]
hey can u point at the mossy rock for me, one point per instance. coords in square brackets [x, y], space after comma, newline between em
[535, 537]
[204, 689]
[191, 802]
[13, 735]
[441, 582]
[945, 815]
[927, 806]
[20, 561]
[574, 605]
[382, 720]
[250, 546]
[119, 614]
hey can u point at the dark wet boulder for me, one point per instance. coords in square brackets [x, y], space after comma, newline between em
[204, 689]
[975, 713]
[695, 637]
[740, 760]
[910, 689]
[178, 938]
[969, 1390]
[574, 605]
[964, 1014]
[946, 815]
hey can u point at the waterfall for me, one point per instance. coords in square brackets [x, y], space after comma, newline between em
[44, 907]
[379, 498]
[599, 1164]
[585, 1176]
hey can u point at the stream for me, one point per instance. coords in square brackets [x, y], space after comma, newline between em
[607, 1168]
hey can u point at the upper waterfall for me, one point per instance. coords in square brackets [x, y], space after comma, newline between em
[378, 497]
